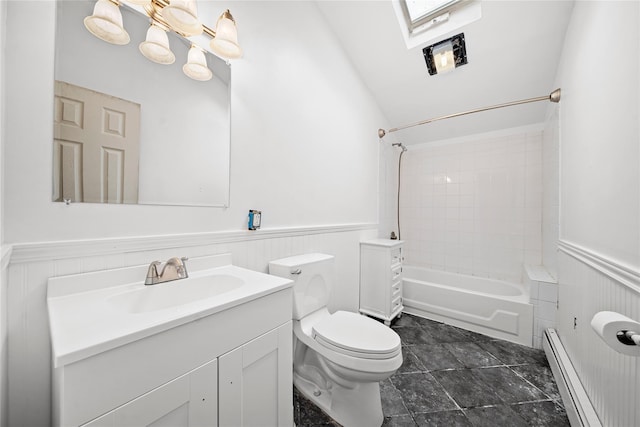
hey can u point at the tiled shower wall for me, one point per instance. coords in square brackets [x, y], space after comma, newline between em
[474, 207]
[551, 192]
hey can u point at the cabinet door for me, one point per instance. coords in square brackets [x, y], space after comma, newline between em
[256, 382]
[189, 400]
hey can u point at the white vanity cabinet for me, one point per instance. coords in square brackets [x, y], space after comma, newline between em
[381, 278]
[229, 369]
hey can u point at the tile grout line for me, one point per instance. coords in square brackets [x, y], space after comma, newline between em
[459, 408]
[403, 404]
[529, 382]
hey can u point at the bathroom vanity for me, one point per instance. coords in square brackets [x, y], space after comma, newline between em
[381, 278]
[210, 350]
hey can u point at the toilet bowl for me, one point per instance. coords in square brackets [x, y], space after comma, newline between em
[339, 358]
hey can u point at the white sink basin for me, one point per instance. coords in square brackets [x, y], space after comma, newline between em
[174, 293]
[94, 312]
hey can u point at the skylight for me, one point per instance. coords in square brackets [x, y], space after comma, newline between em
[421, 14]
[420, 8]
[425, 21]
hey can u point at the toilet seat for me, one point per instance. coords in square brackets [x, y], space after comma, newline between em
[356, 335]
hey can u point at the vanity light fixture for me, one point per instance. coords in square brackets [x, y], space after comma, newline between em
[106, 23]
[183, 16]
[179, 16]
[225, 43]
[196, 66]
[156, 46]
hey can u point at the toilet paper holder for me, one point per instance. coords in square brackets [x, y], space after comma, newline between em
[618, 332]
[628, 337]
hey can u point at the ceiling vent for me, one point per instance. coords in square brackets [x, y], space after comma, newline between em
[445, 55]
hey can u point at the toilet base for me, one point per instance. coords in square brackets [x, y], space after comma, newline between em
[357, 407]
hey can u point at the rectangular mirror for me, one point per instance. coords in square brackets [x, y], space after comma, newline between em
[128, 130]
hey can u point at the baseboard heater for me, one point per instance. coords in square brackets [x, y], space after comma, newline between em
[576, 402]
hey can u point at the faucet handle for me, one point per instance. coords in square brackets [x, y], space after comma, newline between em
[152, 273]
[184, 267]
[180, 266]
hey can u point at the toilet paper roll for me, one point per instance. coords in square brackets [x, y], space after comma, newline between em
[608, 323]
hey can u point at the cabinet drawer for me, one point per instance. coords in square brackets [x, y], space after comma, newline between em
[396, 303]
[396, 273]
[396, 256]
[396, 290]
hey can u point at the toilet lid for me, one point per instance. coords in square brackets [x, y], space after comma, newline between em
[357, 335]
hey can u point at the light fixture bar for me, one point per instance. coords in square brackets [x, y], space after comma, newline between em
[224, 39]
[153, 10]
[179, 16]
[552, 97]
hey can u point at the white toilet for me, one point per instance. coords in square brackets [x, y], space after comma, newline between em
[339, 358]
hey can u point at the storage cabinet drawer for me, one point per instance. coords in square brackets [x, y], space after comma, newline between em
[396, 256]
[396, 274]
[396, 304]
[396, 290]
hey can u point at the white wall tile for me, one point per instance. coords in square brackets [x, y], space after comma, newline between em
[534, 287]
[551, 186]
[546, 311]
[490, 191]
[548, 292]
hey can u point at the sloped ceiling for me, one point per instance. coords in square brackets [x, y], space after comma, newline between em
[512, 52]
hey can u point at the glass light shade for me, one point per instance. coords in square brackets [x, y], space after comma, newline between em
[156, 46]
[106, 23]
[140, 2]
[196, 66]
[182, 15]
[225, 43]
[443, 57]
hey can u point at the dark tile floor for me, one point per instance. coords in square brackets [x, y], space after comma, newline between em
[453, 377]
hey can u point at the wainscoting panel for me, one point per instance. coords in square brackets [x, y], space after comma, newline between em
[589, 283]
[5, 256]
[29, 354]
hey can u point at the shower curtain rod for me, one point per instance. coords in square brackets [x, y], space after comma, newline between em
[552, 97]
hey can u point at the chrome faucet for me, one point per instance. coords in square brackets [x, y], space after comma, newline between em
[174, 269]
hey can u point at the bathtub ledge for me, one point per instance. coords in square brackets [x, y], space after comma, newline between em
[539, 273]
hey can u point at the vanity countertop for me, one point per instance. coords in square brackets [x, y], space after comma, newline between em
[93, 312]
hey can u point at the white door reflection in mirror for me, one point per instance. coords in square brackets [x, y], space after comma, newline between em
[97, 146]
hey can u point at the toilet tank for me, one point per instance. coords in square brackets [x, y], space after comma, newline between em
[312, 275]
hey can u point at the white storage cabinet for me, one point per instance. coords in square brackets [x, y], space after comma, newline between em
[381, 279]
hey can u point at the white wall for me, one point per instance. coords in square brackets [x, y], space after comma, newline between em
[473, 205]
[4, 251]
[599, 130]
[304, 151]
[304, 145]
[599, 266]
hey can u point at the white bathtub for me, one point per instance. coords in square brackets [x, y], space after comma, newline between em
[491, 307]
